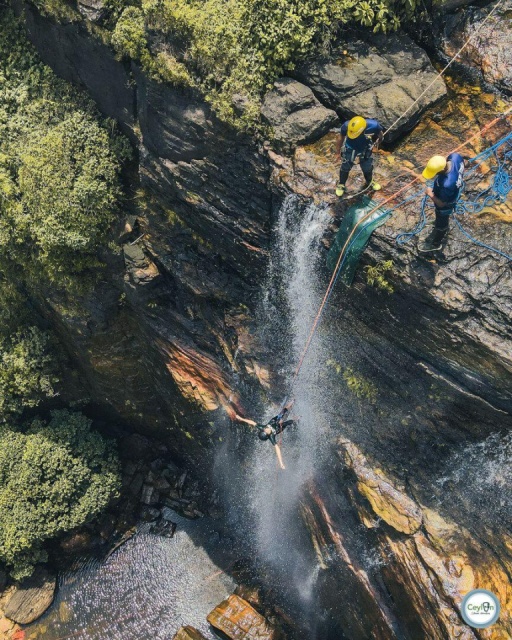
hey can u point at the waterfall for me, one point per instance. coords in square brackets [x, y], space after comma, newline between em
[290, 302]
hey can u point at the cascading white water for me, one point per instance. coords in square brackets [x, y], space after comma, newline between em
[153, 585]
[290, 304]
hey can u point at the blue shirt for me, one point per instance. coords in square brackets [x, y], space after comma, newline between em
[363, 142]
[447, 186]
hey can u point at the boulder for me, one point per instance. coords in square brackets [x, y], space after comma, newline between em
[93, 10]
[189, 633]
[381, 79]
[489, 52]
[32, 597]
[296, 116]
[150, 495]
[239, 621]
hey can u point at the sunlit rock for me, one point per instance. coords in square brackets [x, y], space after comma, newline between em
[388, 503]
[433, 566]
[381, 79]
[188, 633]
[239, 621]
[32, 597]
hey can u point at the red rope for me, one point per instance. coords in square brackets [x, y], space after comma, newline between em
[363, 219]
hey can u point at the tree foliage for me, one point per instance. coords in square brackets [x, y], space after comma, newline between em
[54, 477]
[26, 372]
[59, 167]
[236, 48]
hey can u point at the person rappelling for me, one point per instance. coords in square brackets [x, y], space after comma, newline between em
[445, 193]
[358, 138]
[271, 429]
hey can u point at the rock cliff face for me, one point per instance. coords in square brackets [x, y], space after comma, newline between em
[163, 339]
[489, 30]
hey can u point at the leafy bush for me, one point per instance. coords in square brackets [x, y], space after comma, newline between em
[59, 167]
[376, 276]
[236, 48]
[360, 387]
[53, 478]
[26, 372]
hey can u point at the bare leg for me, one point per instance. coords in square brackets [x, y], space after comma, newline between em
[279, 456]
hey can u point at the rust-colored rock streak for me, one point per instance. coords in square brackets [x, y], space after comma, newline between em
[197, 376]
[385, 619]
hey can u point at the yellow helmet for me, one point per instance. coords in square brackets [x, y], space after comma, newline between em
[356, 127]
[434, 166]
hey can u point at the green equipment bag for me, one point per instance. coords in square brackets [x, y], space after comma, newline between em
[359, 239]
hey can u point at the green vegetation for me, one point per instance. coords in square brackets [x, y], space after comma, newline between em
[54, 477]
[59, 193]
[26, 372]
[237, 48]
[234, 49]
[59, 168]
[376, 275]
[358, 385]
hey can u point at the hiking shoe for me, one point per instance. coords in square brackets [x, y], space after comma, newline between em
[340, 190]
[375, 185]
[433, 242]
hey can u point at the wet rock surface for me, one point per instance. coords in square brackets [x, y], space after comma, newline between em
[32, 597]
[164, 344]
[434, 565]
[488, 52]
[381, 79]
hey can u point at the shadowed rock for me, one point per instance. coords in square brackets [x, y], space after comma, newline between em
[489, 51]
[296, 116]
[33, 596]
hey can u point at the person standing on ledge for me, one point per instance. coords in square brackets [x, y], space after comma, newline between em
[445, 193]
[271, 429]
[358, 138]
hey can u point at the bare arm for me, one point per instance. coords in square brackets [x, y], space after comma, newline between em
[439, 203]
[245, 420]
[379, 140]
[279, 456]
[339, 144]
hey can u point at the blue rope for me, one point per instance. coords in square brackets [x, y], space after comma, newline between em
[405, 236]
[498, 191]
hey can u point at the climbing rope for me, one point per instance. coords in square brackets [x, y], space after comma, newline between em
[449, 64]
[497, 191]
[356, 231]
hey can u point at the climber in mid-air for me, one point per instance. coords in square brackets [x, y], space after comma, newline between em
[445, 193]
[271, 429]
[358, 138]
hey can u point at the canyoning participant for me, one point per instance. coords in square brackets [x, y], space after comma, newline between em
[271, 429]
[448, 173]
[358, 138]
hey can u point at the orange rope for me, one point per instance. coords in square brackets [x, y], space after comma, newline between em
[363, 219]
